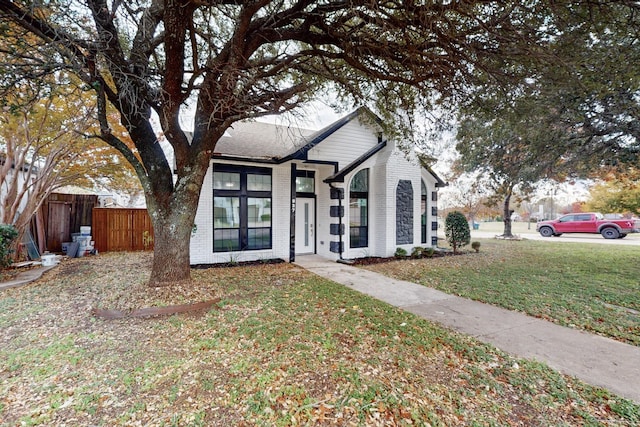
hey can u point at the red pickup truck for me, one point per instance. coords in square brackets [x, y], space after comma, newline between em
[588, 223]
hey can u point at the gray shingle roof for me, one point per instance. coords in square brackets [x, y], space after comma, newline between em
[261, 140]
[264, 141]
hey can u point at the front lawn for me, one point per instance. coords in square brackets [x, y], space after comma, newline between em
[282, 347]
[587, 286]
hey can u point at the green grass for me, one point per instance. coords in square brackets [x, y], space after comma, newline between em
[283, 347]
[587, 286]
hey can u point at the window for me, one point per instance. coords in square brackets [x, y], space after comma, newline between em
[226, 181]
[258, 182]
[359, 210]
[241, 208]
[305, 182]
[423, 211]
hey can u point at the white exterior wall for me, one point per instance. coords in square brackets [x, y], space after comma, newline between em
[387, 168]
[202, 241]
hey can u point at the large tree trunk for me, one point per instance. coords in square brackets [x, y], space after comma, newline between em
[507, 216]
[173, 219]
[172, 236]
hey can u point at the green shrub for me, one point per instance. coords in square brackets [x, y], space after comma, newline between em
[417, 252]
[400, 252]
[457, 230]
[8, 234]
[428, 252]
[476, 246]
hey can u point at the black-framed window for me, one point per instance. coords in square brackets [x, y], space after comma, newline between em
[359, 210]
[423, 211]
[241, 208]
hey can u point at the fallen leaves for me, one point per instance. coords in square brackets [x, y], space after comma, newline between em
[282, 346]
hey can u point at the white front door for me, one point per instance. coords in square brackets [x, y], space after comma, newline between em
[305, 226]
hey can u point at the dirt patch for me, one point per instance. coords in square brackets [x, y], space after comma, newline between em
[156, 311]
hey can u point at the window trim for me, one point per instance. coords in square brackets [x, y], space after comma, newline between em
[423, 215]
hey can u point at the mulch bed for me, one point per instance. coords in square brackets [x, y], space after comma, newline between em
[382, 260]
[238, 264]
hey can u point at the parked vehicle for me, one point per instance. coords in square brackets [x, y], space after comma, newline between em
[592, 222]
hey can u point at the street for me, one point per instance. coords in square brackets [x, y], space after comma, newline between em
[630, 240]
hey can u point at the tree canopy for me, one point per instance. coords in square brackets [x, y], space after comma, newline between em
[236, 60]
[508, 151]
[564, 118]
[593, 96]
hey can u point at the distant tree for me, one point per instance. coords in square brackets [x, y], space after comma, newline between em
[499, 149]
[528, 212]
[577, 207]
[457, 230]
[619, 193]
[466, 193]
[41, 150]
[566, 118]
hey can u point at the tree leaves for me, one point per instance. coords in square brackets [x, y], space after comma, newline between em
[618, 193]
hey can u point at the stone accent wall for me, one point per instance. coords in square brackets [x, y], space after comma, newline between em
[404, 213]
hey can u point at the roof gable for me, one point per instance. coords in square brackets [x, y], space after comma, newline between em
[276, 143]
[326, 132]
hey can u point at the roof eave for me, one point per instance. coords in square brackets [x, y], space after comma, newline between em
[439, 182]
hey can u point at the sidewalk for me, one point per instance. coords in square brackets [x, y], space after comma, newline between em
[593, 359]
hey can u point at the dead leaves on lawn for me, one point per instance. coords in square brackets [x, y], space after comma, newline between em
[280, 347]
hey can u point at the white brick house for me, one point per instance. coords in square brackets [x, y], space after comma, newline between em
[341, 192]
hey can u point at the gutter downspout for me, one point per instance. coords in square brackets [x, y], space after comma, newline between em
[339, 223]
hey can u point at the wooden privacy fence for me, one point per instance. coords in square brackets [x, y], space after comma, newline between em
[122, 229]
[61, 215]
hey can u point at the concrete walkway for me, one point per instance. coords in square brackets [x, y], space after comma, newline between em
[593, 359]
[25, 277]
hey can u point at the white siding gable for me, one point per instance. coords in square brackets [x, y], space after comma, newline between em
[346, 144]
